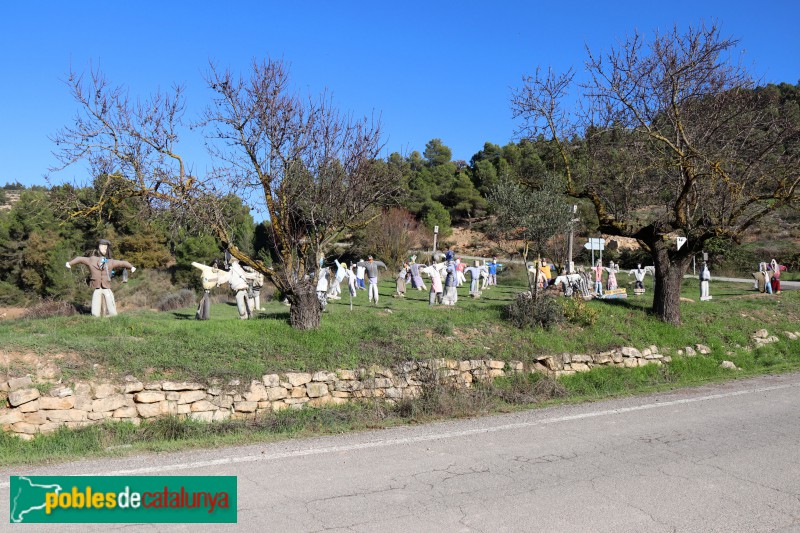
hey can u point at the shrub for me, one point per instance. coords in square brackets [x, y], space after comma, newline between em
[443, 399]
[50, 308]
[146, 289]
[544, 312]
[269, 292]
[146, 249]
[520, 389]
[177, 300]
[577, 312]
[203, 249]
[445, 329]
[10, 294]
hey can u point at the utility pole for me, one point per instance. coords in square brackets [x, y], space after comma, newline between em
[435, 237]
[570, 265]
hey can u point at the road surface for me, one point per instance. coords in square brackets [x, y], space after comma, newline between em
[724, 457]
[785, 285]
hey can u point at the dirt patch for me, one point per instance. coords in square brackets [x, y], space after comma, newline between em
[623, 243]
[45, 368]
[753, 296]
[470, 242]
[473, 335]
[10, 313]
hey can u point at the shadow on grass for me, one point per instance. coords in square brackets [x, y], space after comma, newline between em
[498, 308]
[273, 315]
[339, 304]
[184, 316]
[632, 305]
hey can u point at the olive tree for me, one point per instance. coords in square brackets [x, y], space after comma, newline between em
[529, 216]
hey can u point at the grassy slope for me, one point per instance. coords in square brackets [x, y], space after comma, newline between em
[174, 344]
[150, 344]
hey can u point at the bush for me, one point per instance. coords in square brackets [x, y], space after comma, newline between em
[146, 289]
[50, 308]
[11, 295]
[268, 293]
[437, 215]
[203, 249]
[389, 236]
[445, 329]
[521, 389]
[442, 400]
[630, 258]
[577, 312]
[146, 249]
[177, 300]
[544, 312]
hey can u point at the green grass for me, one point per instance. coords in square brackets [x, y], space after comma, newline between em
[153, 345]
[110, 439]
[171, 344]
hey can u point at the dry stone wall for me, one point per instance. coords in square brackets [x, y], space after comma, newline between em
[25, 411]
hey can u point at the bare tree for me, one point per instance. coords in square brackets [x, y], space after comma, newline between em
[391, 235]
[312, 170]
[680, 142]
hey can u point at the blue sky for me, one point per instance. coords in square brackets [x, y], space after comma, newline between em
[429, 69]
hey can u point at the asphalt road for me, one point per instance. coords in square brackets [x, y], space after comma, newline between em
[717, 458]
[785, 285]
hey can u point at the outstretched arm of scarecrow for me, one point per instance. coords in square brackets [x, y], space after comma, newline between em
[115, 263]
[209, 275]
[78, 261]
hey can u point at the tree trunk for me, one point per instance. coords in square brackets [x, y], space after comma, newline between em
[527, 272]
[305, 311]
[670, 267]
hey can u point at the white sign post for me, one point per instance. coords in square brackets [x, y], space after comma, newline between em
[570, 263]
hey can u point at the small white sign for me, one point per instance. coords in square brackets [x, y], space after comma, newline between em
[595, 244]
[436, 229]
[681, 242]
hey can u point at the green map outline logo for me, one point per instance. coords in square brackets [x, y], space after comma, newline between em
[15, 515]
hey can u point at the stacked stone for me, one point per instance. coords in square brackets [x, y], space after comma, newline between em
[625, 357]
[690, 351]
[762, 337]
[183, 399]
[27, 412]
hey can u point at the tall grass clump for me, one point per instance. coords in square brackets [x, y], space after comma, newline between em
[51, 308]
[543, 312]
[177, 300]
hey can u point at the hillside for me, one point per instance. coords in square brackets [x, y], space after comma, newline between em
[776, 236]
